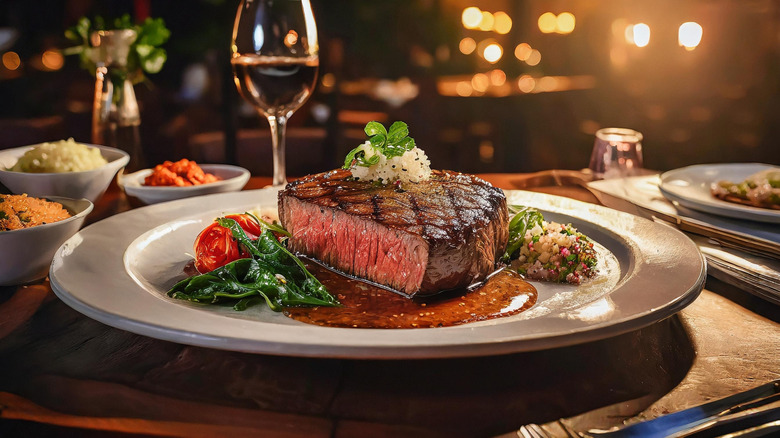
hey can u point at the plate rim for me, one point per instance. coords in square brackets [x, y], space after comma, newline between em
[304, 339]
[715, 206]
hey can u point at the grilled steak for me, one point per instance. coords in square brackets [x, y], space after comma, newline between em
[441, 234]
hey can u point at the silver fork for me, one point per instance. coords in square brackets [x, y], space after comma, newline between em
[737, 415]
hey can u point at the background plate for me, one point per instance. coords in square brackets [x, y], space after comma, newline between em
[118, 270]
[690, 187]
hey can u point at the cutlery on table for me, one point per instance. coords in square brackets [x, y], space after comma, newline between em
[752, 413]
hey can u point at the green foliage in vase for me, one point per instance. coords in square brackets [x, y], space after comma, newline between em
[146, 55]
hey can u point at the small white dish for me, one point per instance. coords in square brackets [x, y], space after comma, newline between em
[232, 179]
[88, 184]
[690, 187]
[25, 255]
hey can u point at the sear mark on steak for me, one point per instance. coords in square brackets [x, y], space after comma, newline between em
[436, 235]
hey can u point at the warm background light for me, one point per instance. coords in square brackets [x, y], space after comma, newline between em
[497, 77]
[548, 22]
[467, 46]
[689, 35]
[328, 80]
[526, 83]
[463, 89]
[562, 23]
[565, 22]
[291, 38]
[52, 59]
[523, 51]
[11, 60]
[641, 34]
[503, 23]
[487, 21]
[493, 52]
[471, 17]
[534, 58]
[480, 82]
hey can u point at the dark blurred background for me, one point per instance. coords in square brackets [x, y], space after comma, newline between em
[513, 86]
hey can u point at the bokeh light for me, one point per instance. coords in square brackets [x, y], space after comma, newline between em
[526, 83]
[486, 151]
[328, 80]
[689, 35]
[480, 82]
[547, 83]
[487, 21]
[640, 34]
[629, 34]
[565, 22]
[493, 53]
[497, 77]
[52, 59]
[534, 58]
[467, 46]
[523, 51]
[548, 22]
[11, 60]
[502, 23]
[291, 38]
[463, 89]
[471, 17]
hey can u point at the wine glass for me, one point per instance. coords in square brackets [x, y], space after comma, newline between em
[275, 58]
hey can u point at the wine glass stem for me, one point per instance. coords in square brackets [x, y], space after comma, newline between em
[278, 130]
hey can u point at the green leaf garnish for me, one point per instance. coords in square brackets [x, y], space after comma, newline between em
[374, 128]
[392, 143]
[523, 219]
[273, 275]
[398, 131]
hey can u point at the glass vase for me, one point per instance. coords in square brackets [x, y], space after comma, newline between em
[116, 119]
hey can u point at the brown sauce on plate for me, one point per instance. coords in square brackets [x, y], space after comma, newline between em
[368, 306]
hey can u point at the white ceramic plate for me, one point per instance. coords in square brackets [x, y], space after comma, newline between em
[690, 187]
[233, 178]
[118, 270]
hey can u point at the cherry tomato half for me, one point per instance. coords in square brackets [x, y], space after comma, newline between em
[215, 246]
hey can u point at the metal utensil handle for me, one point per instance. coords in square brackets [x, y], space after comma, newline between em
[672, 423]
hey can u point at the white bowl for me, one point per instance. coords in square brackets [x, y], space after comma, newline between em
[232, 179]
[26, 254]
[89, 184]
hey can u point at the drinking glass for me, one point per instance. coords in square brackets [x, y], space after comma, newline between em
[617, 152]
[275, 58]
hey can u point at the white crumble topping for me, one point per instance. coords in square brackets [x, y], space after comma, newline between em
[412, 166]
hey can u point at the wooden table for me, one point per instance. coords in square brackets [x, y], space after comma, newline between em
[64, 374]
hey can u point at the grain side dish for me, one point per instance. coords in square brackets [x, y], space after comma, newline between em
[22, 211]
[181, 173]
[549, 251]
[59, 157]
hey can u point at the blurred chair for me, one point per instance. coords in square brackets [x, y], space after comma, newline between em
[23, 132]
[305, 150]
